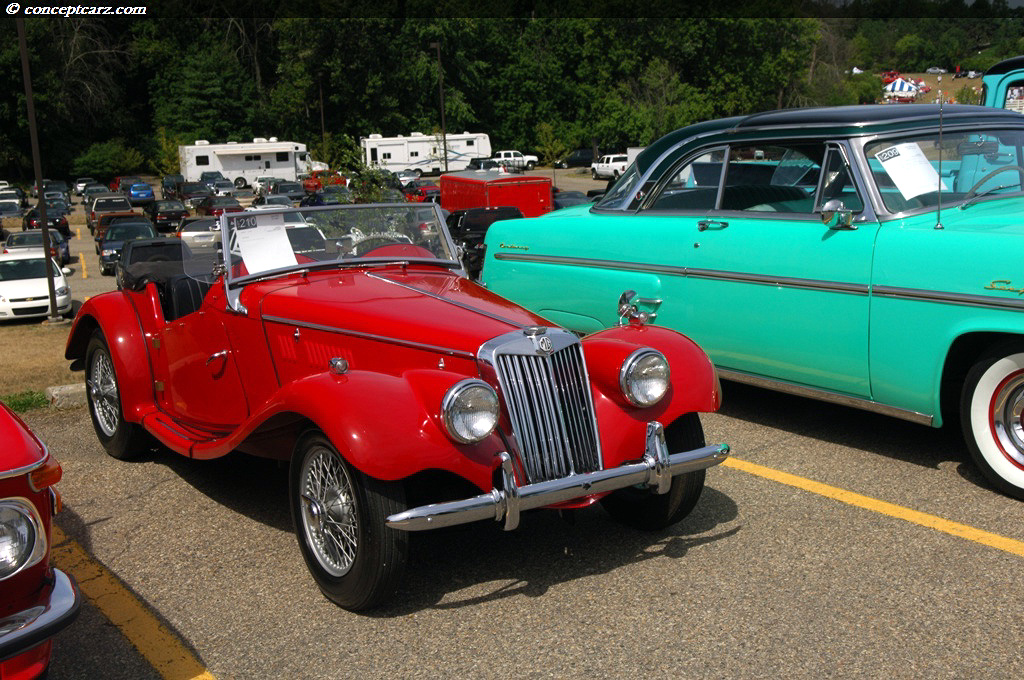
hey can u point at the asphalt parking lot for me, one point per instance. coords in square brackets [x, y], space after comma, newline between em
[834, 543]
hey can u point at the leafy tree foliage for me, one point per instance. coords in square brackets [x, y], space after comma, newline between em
[105, 88]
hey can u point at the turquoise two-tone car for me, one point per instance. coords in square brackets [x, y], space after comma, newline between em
[869, 255]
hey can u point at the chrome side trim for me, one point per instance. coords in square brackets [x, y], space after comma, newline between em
[736, 277]
[825, 395]
[654, 471]
[370, 336]
[23, 470]
[989, 301]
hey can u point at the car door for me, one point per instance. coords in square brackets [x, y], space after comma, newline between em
[768, 289]
[204, 385]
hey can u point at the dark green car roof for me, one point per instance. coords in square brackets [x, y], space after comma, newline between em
[832, 122]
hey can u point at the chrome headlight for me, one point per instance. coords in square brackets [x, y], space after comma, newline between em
[63, 290]
[644, 377]
[470, 411]
[22, 536]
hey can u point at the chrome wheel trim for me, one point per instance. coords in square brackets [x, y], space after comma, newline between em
[101, 385]
[1005, 412]
[328, 511]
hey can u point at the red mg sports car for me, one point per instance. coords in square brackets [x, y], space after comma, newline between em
[349, 341]
[36, 600]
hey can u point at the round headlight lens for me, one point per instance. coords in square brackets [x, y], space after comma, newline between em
[17, 539]
[644, 377]
[470, 411]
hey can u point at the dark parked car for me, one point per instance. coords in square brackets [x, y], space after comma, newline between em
[215, 206]
[192, 193]
[169, 186]
[468, 228]
[166, 215]
[147, 257]
[211, 176]
[580, 158]
[565, 199]
[292, 190]
[121, 229]
[54, 220]
[332, 194]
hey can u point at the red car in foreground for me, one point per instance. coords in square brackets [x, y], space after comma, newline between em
[349, 341]
[36, 600]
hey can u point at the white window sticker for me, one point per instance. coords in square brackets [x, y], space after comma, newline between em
[910, 170]
[263, 242]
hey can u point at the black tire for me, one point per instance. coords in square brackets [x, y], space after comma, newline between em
[240, 183]
[646, 510]
[121, 439]
[530, 165]
[992, 427]
[593, 173]
[324, 488]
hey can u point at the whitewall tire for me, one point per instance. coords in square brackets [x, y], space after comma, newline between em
[992, 414]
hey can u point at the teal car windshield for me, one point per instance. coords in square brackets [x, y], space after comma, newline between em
[913, 173]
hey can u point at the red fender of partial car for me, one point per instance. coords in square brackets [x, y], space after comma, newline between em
[370, 416]
[695, 386]
[115, 316]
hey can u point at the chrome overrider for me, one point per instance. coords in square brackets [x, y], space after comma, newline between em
[655, 471]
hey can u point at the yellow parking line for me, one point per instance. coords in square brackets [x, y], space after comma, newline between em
[81, 261]
[158, 645]
[996, 541]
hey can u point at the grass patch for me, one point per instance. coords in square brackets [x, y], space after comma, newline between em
[34, 357]
[20, 402]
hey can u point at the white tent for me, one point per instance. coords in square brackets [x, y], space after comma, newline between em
[900, 87]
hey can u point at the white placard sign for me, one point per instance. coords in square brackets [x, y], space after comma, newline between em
[262, 241]
[910, 170]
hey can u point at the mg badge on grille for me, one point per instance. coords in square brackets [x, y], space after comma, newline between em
[544, 344]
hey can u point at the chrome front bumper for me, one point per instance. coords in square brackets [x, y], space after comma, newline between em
[26, 629]
[655, 471]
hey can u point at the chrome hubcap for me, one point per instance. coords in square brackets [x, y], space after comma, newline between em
[328, 511]
[1007, 410]
[101, 385]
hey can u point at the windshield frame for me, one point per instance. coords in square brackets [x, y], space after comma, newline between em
[234, 284]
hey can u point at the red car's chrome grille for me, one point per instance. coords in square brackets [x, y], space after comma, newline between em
[549, 403]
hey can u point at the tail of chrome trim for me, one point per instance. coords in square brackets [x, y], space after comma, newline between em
[825, 395]
[655, 471]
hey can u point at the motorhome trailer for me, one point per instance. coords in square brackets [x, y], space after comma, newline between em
[422, 154]
[243, 162]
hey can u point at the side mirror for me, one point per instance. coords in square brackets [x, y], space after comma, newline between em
[66, 271]
[835, 215]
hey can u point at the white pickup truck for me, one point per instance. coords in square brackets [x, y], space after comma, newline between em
[516, 159]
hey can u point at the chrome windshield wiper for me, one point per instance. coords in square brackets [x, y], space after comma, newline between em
[986, 192]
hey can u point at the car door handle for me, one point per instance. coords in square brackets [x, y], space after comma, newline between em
[704, 225]
[223, 354]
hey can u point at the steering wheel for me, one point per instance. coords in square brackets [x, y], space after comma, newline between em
[974, 190]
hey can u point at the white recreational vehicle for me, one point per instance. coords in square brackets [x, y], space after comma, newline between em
[421, 153]
[243, 162]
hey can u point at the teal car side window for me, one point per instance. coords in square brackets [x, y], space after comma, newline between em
[692, 186]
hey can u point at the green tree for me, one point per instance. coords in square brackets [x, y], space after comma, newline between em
[107, 159]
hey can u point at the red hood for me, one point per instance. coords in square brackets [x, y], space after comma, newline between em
[424, 306]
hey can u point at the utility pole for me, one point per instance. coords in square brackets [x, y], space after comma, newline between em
[37, 163]
[440, 91]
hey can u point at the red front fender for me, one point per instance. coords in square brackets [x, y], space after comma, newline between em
[694, 385]
[388, 426]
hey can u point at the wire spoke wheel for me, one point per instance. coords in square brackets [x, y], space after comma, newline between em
[329, 511]
[102, 389]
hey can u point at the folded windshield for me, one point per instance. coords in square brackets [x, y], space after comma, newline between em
[263, 242]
